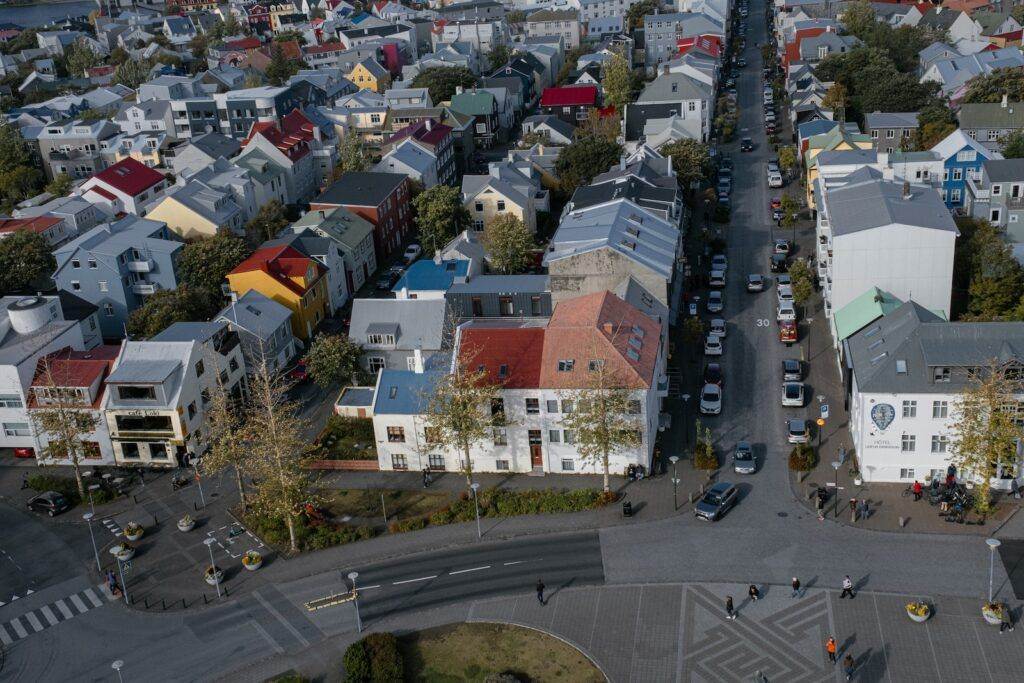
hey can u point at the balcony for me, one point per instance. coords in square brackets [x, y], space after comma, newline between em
[145, 288]
[140, 266]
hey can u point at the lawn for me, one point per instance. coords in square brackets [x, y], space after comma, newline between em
[347, 438]
[399, 502]
[471, 652]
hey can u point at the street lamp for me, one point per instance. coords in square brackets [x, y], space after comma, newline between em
[92, 487]
[675, 482]
[686, 427]
[476, 505]
[116, 666]
[992, 543]
[355, 600]
[124, 584]
[199, 483]
[213, 566]
[836, 465]
[88, 518]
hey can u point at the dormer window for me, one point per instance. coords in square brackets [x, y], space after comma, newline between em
[941, 374]
[381, 339]
[566, 365]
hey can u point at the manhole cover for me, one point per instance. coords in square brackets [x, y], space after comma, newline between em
[782, 514]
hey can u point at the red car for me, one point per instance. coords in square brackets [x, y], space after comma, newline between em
[299, 373]
[24, 452]
[787, 331]
[776, 203]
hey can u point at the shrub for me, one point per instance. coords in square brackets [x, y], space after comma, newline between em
[65, 486]
[704, 457]
[275, 532]
[348, 438]
[400, 526]
[374, 659]
[357, 662]
[802, 458]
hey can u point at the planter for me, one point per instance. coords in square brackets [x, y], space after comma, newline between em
[992, 615]
[186, 523]
[123, 552]
[252, 560]
[214, 577]
[919, 612]
[857, 481]
[133, 531]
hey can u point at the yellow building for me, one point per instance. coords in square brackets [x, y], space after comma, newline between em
[289, 277]
[197, 210]
[837, 139]
[486, 198]
[370, 75]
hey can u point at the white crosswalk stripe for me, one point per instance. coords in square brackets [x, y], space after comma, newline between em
[96, 602]
[33, 621]
[64, 609]
[47, 616]
[18, 628]
[79, 605]
[50, 616]
[5, 637]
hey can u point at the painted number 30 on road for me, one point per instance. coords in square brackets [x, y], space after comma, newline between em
[763, 322]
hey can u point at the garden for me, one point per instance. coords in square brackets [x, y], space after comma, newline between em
[347, 438]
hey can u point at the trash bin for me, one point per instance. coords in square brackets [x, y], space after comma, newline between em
[627, 508]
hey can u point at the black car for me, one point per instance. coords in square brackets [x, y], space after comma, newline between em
[746, 145]
[50, 502]
[713, 374]
[792, 370]
[714, 504]
[778, 263]
[389, 277]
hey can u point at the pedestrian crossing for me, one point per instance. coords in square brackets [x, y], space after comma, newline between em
[113, 527]
[42, 618]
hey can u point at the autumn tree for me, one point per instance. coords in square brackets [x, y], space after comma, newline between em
[333, 360]
[934, 123]
[984, 432]
[636, 12]
[787, 158]
[169, 306]
[351, 155]
[690, 161]
[993, 86]
[790, 210]
[60, 186]
[25, 258]
[836, 99]
[985, 270]
[459, 410]
[267, 223]
[440, 215]
[441, 81]
[78, 57]
[1013, 145]
[858, 18]
[509, 244]
[619, 82]
[802, 283]
[226, 436]
[206, 262]
[132, 73]
[280, 68]
[604, 126]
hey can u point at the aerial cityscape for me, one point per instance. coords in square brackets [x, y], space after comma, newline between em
[511, 341]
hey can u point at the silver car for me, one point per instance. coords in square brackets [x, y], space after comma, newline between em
[755, 283]
[711, 399]
[715, 302]
[792, 370]
[743, 461]
[797, 432]
[717, 327]
[793, 394]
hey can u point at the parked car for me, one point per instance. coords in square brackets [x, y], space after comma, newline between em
[388, 278]
[299, 373]
[24, 452]
[755, 282]
[725, 163]
[743, 459]
[713, 374]
[776, 203]
[717, 278]
[746, 145]
[412, 252]
[784, 293]
[785, 311]
[717, 327]
[796, 431]
[715, 302]
[773, 167]
[723, 198]
[775, 180]
[783, 280]
[776, 215]
[716, 502]
[50, 502]
[781, 246]
[741, 62]
[792, 370]
[711, 399]
[793, 394]
[778, 263]
[724, 185]
[787, 331]
[719, 262]
[713, 345]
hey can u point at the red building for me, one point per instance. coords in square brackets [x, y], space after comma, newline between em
[571, 103]
[383, 199]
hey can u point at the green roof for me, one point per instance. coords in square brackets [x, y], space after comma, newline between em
[835, 137]
[474, 103]
[868, 307]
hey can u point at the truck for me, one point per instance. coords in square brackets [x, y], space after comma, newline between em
[787, 331]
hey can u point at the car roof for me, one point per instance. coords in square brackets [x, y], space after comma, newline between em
[720, 487]
[743, 444]
[790, 363]
[798, 423]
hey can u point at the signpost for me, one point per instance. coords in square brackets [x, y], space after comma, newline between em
[821, 427]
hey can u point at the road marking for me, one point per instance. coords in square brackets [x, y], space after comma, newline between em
[64, 609]
[5, 637]
[474, 569]
[366, 588]
[77, 602]
[422, 578]
[96, 602]
[509, 564]
[50, 616]
[18, 628]
[33, 621]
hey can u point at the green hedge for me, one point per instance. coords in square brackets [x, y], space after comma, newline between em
[374, 659]
[275, 532]
[68, 487]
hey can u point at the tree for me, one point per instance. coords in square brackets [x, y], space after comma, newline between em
[269, 221]
[441, 81]
[60, 186]
[606, 127]
[985, 270]
[66, 419]
[993, 86]
[1013, 145]
[440, 216]
[619, 82]
[636, 13]
[226, 436]
[25, 258]
[280, 68]
[604, 419]
[578, 163]
[18, 179]
[290, 36]
[78, 57]
[690, 160]
[351, 155]
[802, 283]
[1017, 12]
[132, 73]
[874, 82]
[984, 431]
[790, 210]
[509, 244]
[199, 44]
[693, 331]
[206, 262]
[787, 158]
[704, 456]
[275, 435]
[459, 410]
[836, 99]
[859, 18]
[499, 56]
[169, 306]
[333, 360]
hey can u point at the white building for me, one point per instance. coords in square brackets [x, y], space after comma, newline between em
[905, 372]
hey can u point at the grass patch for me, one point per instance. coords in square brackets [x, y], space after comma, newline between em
[366, 502]
[347, 438]
[68, 487]
[472, 652]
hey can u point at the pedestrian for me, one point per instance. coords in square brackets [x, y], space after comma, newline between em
[540, 592]
[847, 587]
[865, 510]
[917, 490]
[796, 587]
[755, 594]
[730, 613]
[1005, 620]
[853, 510]
[830, 648]
[848, 666]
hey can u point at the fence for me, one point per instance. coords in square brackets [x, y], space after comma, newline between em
[356, 465]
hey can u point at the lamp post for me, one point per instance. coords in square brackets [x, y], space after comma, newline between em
[836, 465]
[92, 487]
[992, 543]
[213, 566]
[116, 666]
[355, 600]
[124, 584]
[675, 483]
[88, 518]
[476, 505]
[686, 427]
[199, 483]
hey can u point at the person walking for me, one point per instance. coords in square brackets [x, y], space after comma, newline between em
[796, 587]
[730, 613]
[917, 490]
[830, 648]
[848, 666]
[847, 587]
[540, 592]
[1005, 620]
[754, 594]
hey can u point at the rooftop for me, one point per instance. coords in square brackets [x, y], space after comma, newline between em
[361, 188]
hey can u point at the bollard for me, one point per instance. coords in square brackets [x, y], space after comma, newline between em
[689, 497]
[206, 600]
[163, 604]
[903, 522]
[225, 591]
[135, 499]
[145, 600]
[183, 605]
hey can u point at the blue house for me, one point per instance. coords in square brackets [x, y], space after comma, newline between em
[962, 157]
[431, 278]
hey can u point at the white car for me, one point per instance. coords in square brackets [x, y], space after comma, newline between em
[717, 278]
[715, 301]
[412, 253]
[717, 327]
[719, 262]
[711, 399]
[775, 180]
[785, 312]
[793, 394]
[713, 345]
[785, 294]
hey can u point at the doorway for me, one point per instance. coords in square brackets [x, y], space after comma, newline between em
[536, 453]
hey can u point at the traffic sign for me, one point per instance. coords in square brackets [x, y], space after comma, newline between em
[824, 411]
[820, 422]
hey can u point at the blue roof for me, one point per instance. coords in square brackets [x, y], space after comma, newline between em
[816, 127]
[404, 392]
[428, 275]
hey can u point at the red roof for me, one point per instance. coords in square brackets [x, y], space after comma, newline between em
[708, 44]
[103, 70]
[248, 43]
[793, 48]
[419, 131]
[517, 350]
[39, 224]
[292, 136]
[282, 263]
[569, 96]
[325, 47]
[79, 369]
[129, 177]
[289, 48]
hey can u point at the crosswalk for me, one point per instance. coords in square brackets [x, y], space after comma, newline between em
[113, 527]
[44, 617]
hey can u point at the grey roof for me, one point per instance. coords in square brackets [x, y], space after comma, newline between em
[404, 392]
[992, 115]
[144, 371]
[502, 284]
[674, 87]
[895, 119]
[1004, 170]
[553, 122]
[113, 239]
[355, 397]
[256, 314]
[216, 145]
[846, 156]
[867, 201]
[189, 331]
[361, 188]
[630, 187]
[420, 321]
[913, 336]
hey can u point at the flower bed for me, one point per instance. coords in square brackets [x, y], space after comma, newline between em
[310, 536]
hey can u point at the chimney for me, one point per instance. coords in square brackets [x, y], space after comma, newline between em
[906, 189]
[417, 361]
[1005, 102]
[437, 257]
[608, 328]
[622, 162]
[430, 125]
[458, 90]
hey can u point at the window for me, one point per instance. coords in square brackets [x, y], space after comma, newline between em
[232, 365]
[396, 434]
[940, 409]
[10, 401]
[634, 407]
[967, 155]
[104, 287]
[890, 134]
[501, 205]
[910, 409]
[375, 363]
[908, 443]
[958, 174]
[532, 406]
[108, 310]
[76, 286]
[997, 190]
[691, 106]
[554, 436]
[435, 461]
[92, 263]
[940, 444]
[130, 451]
[398, 462]
[566, 365]
[500, 436]
[501, 465]
[200, 368]
[907, 473]
[595, 365]
[874, 135]
[945, 174]
[478, 225]
[569, 436]
[954, 195]
[995, 215]
[135, 393]
[973, 134]
[380, 339]
[568, 406]
[191, 410]
[552, 406]
[993, 135]
[505, 306]
[158, 451]
[75, 263]
[17, 429]
[534, 305]
[568, 465]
